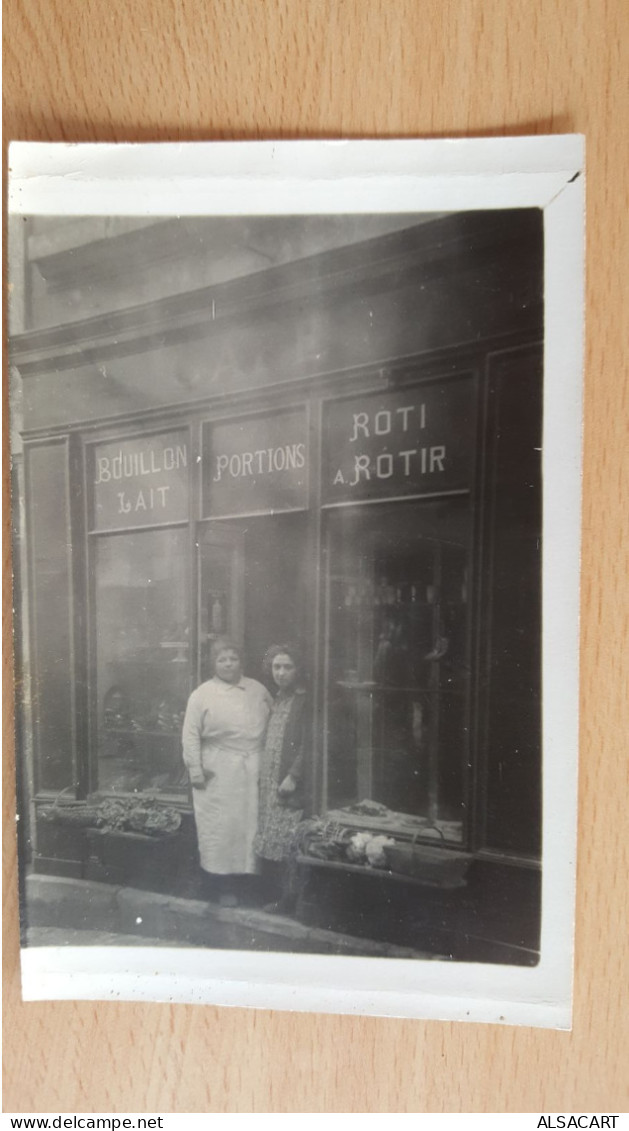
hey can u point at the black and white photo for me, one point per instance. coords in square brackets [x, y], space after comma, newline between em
[295, 486]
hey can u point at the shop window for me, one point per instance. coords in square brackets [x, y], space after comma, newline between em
[142, 660]
[396, 720]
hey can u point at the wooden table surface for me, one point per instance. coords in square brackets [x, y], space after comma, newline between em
[126, 70]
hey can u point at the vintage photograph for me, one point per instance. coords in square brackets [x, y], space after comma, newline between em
[277, 499]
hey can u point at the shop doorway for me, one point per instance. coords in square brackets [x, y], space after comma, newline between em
[254, 582]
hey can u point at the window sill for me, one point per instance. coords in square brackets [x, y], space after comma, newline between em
[441, 870]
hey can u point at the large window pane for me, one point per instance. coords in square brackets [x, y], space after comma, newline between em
[142, 660]
[398, 667]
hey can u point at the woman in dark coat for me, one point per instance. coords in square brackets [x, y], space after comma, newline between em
[283, 774]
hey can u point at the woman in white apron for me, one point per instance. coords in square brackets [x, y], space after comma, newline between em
[223, 737]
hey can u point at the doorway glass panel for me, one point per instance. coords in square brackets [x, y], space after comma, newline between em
[253, 580]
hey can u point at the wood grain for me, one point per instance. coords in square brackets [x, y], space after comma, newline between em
[171, 69]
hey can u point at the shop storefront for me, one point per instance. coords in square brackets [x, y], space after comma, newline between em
[342, 450]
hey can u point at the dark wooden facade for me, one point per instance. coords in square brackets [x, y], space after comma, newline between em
[456, 299]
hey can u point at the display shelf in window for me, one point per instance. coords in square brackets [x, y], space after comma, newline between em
[139, 738]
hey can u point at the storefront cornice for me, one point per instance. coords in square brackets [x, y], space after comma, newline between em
[389, 373]
[425, 254]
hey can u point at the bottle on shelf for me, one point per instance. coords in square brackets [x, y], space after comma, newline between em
[217, 614]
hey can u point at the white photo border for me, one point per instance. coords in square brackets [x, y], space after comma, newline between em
[318, 177]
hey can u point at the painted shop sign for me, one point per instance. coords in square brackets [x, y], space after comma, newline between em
[257, 465]
[391, 445]
[140, 482]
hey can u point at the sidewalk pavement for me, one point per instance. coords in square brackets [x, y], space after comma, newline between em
[62, 911]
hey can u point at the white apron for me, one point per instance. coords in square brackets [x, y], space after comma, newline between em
[223, 733]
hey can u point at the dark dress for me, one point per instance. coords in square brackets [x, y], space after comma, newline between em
[284, 753]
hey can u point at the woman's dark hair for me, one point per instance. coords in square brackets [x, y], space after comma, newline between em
[291, 650]
[223, 644]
